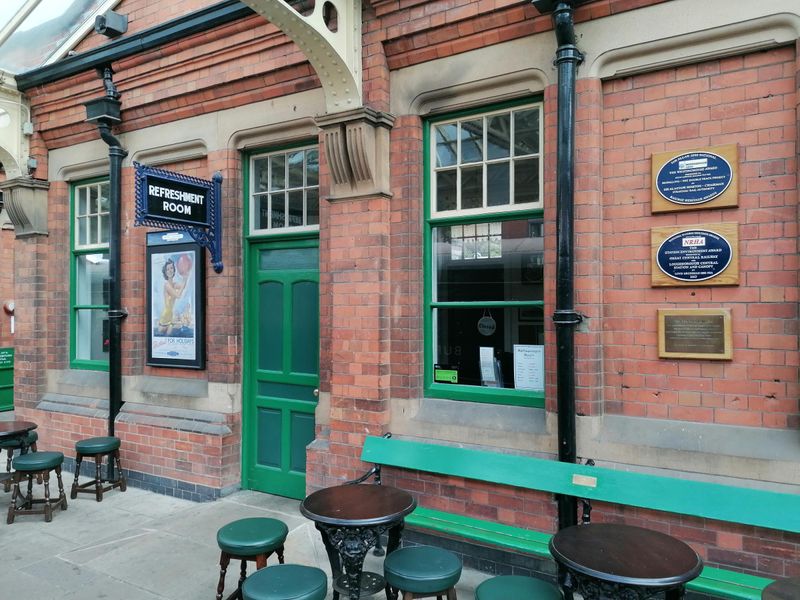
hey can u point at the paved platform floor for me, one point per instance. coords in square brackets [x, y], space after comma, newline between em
[139, 545]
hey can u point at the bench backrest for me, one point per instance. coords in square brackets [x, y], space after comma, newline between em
[761, 508]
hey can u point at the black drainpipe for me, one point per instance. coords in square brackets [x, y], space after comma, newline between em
[565, 318]
[106, 114]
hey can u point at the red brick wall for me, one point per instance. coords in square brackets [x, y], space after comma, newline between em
[746, 100]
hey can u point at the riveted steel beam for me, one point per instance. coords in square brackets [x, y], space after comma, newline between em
[330, 38]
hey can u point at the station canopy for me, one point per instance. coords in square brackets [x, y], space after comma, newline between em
[35, 33]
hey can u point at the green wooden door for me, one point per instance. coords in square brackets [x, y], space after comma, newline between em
[6, 379]
[281, 365]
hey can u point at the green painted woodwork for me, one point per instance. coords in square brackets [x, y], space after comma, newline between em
[469, 393]
[281, 364]
[746, 506]
[6, 379]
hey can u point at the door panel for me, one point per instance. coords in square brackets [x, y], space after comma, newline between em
[283, 368]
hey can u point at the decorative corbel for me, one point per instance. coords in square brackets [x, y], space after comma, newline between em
[25, 201]
[356, 145]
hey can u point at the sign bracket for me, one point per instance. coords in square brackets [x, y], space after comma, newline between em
[207, 232]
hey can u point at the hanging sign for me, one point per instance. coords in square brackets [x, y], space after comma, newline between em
[168, 200]
[703, 178]
[486, 324]
[698, 256]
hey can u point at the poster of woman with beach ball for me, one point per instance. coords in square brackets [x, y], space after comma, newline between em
[173, 306]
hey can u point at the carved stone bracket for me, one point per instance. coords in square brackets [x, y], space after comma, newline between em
[330, 37]
[25, 201]
[357, 149]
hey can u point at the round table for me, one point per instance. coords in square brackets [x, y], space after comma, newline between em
[611, 560]
[10, 430]
[15, 429]
[351, 518]
[783, 589]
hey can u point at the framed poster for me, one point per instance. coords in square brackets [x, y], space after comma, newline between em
[175, 301]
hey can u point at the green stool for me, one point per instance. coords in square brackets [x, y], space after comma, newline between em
[422, 571]
[286, 582]
[28, 442]
[253, 539]
[97, 448]
[505, 587]
[28, 466]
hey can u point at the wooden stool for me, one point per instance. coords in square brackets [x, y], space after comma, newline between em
[97, 448]
[421, 572]
[286, 582]
[29, 465]
[255, 539]
[28, 442]
[504, 587]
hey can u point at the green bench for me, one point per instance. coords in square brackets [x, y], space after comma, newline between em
[760, 508]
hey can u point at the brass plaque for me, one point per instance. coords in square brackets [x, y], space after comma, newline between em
[695, 333]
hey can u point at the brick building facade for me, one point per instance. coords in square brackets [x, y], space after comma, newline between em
[240, 94]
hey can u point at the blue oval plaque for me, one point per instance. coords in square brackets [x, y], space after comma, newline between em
[694, 178]
[694, 255]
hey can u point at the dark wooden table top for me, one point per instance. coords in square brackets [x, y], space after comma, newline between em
[10, 429]
[358, 505]
[783, 589]
[626, 555]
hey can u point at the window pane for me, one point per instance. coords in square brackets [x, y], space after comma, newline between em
[446, 190]
[90, 271]
[103, 223]
[462, 332]
[94, 196]
[312, 207]
[498, 136]
[497, 183]
[83, 201]
[296, 208]
[296, 169]
[526, 181]
[499, 262]
[104, 198]
[526, 132]
[312, 167]
[91, 335]
[261, 208]
[278, 212]
[83, 231]
[260, 175]
[472, 187]
[472, 141]
[277, 166]
[446, 145]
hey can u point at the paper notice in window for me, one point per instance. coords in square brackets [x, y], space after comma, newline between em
[487, 364]
[528, 367]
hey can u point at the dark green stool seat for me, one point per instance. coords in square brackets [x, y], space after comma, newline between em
[29, 466]
[286, 582]
[506, 587]
[97, 448]
[23, 444]
[254, 538]
[422, 571]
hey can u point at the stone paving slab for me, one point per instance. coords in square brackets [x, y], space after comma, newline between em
[139, 545]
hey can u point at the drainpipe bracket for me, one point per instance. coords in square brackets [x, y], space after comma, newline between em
[117, 314]
[567, 317]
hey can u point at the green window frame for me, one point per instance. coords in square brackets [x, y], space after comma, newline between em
[483, 255]
[89, 233]
[282, 187]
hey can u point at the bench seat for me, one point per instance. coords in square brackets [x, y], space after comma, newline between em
[760, 508]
